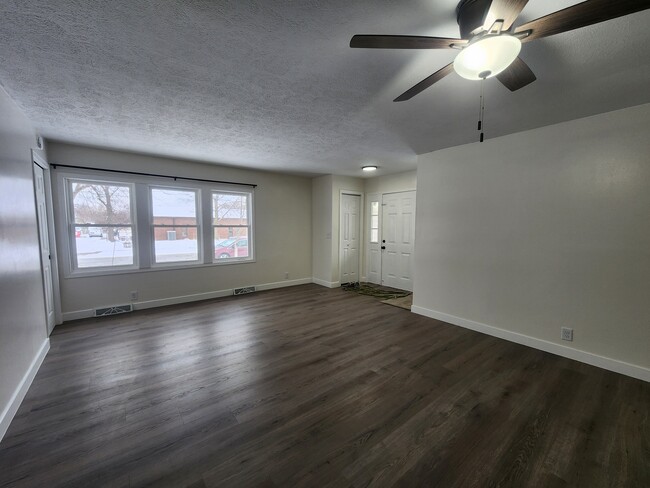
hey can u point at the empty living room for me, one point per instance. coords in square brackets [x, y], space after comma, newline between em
[325, 244]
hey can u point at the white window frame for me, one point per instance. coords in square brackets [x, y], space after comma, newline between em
[73, 265]
[249, 194]
[142, 235]
[199, 227]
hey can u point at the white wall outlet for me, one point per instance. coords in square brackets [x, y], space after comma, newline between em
[134, 295]
[567, 334]
[286, 275]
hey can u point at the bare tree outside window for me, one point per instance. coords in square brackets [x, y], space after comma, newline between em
[102, 223]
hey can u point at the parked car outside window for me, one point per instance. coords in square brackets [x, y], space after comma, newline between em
[231, 248]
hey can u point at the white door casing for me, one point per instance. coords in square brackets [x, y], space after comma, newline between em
[398, 237]
[44, 243]
[350, 228]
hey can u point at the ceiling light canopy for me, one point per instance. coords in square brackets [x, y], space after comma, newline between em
[487, 57]
[369, 168]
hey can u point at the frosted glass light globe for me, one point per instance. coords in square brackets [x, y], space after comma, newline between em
[487, 57]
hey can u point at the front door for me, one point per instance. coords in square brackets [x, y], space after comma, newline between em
[398, 237]
[350, 230]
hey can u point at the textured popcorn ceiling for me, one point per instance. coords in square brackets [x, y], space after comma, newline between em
[273, 84]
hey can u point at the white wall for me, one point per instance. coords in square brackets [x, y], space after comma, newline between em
[406, 181]
[321, 224]
[542, 229]
[23, 338]
[282, 234]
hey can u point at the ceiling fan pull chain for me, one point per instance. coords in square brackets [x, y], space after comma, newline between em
[481, 112]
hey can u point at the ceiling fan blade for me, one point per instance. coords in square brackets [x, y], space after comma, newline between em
[506, 10]
[425, 83]
[404, 42]
[517, 75]
[580, 15]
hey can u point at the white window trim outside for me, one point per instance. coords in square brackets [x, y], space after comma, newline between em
[143, 248]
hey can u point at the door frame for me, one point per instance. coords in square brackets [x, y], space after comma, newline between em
[361, 232]
[381, 197]
[54, 262]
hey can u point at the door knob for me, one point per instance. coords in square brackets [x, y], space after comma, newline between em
[383, 247]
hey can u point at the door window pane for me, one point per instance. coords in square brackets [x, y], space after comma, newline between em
[374, 222]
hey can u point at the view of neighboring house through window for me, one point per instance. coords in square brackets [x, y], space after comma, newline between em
[101, 227]
[175, 225]
[231, 224]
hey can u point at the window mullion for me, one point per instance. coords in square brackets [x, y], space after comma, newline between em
[144, 244]
[206, 226]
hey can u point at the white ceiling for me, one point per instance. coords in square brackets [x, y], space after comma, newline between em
[273, 84]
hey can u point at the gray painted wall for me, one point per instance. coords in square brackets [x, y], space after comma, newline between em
[543, 229]
[22, 317]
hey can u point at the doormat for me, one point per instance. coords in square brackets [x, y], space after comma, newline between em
[401, 302]
[377, 291]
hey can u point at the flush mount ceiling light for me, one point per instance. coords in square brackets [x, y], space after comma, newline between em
[487, 57]
[369, 168]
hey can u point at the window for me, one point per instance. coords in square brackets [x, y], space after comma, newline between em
[175, 227]
[200, 223]
[374, 222]
[231, 225]
[101, 224]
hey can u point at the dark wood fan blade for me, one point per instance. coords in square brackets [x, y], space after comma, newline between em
[506, 10]
[580, 15]
[425, 83]
[404, 42]
[517, 75]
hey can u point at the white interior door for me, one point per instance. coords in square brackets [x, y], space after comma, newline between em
[373, 261]
[44, 242]
[398, 237]
[349, 231]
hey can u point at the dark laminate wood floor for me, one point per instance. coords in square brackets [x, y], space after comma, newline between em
[308, 386]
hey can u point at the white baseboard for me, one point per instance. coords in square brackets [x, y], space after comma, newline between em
[162, 302]
[328, 284]
[610, 364]
[21, 390]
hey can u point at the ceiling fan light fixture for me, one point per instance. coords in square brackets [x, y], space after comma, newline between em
[487, 57]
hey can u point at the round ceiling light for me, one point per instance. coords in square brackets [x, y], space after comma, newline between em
[369, 168]
[487, 57]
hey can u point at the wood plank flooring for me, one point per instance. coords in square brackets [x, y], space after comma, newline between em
[307, 386]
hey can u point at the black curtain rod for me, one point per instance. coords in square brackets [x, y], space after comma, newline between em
[54, 166]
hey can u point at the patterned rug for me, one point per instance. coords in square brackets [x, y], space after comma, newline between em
[377, 291]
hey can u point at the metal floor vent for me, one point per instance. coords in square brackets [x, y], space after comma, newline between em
[244, 290]
[117, 309]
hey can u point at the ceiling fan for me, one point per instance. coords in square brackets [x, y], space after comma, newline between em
[489, 44]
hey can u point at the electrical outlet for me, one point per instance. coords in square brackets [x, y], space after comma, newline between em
[286, 275]
[567, 334]
[134, 296]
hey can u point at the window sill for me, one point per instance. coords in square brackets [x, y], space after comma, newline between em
[156, 268]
